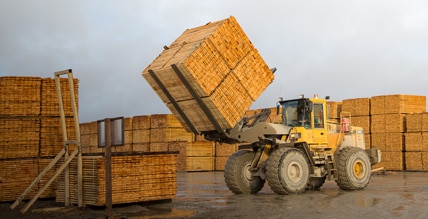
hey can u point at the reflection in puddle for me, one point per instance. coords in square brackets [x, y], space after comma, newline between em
[174, 213]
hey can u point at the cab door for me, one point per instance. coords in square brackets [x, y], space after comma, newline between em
[319, 129]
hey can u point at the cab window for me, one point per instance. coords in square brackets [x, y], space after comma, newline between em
[318, 116]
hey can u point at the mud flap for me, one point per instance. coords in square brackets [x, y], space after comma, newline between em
[375, 155]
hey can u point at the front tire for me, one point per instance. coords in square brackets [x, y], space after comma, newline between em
[353, 168]
[238, 176]
[287, 171]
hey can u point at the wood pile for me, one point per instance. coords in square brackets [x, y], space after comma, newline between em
[135, 178]
[15, 176]
[416, 141]
[30, 131]
[391, 123]
[20, 96]
[220, 65]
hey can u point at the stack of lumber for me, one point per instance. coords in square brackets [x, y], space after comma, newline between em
[386, 125]
[135, 178]
[30, 131]
[416, 138]
[333, 110]
[200, 156]
[51, 139]
[222, 153]
[141, 133]
[89, 137]
[49, 97]
[19, 137]
[15, 176]
[220, 65]
[20, 96]
[165, 128]
[360, 112]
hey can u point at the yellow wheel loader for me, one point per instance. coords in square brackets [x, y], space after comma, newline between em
[299, 153]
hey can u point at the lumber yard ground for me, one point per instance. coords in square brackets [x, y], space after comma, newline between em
[205, 195]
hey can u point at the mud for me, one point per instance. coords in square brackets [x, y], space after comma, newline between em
[205, 195]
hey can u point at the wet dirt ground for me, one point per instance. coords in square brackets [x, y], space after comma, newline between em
[205, 195]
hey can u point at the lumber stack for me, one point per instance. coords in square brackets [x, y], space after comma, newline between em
[20, 96]
[165, 128]
[135, 178]
[416, 138]
[30, 131]
[200, 156]
[49, 97]
[222, 67]
[333, 110]
[387, 126]
[15, 176]
[222, 153]
[89, 137]
[141, 133]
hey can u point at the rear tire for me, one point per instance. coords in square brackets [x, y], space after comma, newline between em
[287, 171]
[238, 176]
[353, 168]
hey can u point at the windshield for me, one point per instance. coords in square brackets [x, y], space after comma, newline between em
[296, 113]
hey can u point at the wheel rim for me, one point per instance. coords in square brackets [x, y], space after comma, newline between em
[247, 173]
[359, 169]
[293, 172]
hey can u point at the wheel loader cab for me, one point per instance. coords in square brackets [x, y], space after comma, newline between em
[307, 116]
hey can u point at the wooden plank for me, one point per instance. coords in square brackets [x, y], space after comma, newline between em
[361, 121]
[394, 141]
[20, 96]
[225, 150]
[414, 122]
[414, 160]
[333, 109]
[391, 161]
[395, 122]
[200, 149]
[413, 141]
[357, 106]
[194, 164]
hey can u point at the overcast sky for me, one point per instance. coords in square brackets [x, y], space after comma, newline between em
[345, 49]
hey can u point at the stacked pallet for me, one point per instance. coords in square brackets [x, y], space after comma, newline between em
[89, 137]
[141, 133]
[388, 126]
[49, 97]
[30, 130]
[360, 112]
[20, 96]
[15, 176]
[416, 138]
[19, 137]
[333, 110]
[165, 128]
[222, 153]
[135, 178]
[200, 156]
[220, 65]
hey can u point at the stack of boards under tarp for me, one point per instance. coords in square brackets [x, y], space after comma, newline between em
[136, 178]
[30, 131]
[209, 76]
